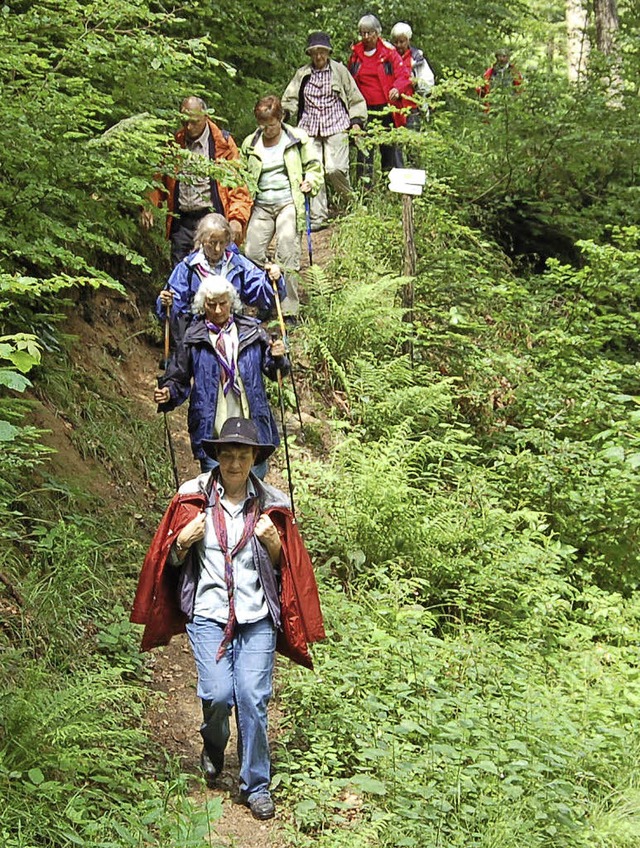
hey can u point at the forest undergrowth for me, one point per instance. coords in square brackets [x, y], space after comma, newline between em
[476, 528]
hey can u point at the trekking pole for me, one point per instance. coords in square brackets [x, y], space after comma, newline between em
[283, 332]
[307, 215]
[286, 442]
[167, 430]
[167, 336]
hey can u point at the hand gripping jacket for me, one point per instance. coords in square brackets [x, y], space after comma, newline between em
[157, 603]
[392, 73]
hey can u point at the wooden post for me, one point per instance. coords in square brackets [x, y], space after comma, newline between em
[410, 264]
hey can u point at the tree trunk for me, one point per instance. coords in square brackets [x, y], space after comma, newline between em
[577, 39]
[607, 24]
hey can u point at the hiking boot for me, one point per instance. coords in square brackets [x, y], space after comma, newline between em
[210, 769]
[261, 806]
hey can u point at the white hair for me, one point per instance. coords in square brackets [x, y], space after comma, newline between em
[215, 286]
[400, 29]
[370, 22]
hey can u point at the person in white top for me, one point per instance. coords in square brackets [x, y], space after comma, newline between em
[422, 77]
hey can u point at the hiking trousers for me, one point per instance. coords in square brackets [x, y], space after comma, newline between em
[267, 219]
[243, 678]
[333, 152]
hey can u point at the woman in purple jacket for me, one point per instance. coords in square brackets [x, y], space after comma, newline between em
[220, 366]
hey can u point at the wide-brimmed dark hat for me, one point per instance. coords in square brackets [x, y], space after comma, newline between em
[238, 431]
[319, 39]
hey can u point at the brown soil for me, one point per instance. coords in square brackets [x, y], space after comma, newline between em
[111, 340]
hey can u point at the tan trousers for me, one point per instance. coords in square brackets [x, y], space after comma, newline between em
[281, 220]
[333, 152]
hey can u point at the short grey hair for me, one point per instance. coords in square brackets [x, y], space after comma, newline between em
[198, 100]
[215, 286]
[211, 223]
[401, 29]
[370, 22]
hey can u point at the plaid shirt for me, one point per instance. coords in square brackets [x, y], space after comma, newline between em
[324, 114]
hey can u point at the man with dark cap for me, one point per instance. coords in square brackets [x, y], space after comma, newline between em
[327, 103]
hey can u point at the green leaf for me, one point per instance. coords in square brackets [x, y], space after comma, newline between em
[366, 783]
[7, 431]
[305, 806]
[12, 380]
[74, 838]
[36, 776]
[23, 360]
[633, 459]
[615, 452]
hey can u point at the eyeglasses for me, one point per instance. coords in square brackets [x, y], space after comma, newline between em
[191, 116]
[365, 33]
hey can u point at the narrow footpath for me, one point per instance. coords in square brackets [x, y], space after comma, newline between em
[175, 717]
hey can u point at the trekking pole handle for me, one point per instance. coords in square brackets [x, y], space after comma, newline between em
[283, 329]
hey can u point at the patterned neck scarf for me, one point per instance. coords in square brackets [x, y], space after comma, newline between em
[226, 351]
[251, 516]
[204, 269]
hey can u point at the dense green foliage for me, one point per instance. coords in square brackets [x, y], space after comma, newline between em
[476, 521]
[76, 765]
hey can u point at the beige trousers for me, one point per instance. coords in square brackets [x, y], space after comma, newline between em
[333, 152]
[281, 220]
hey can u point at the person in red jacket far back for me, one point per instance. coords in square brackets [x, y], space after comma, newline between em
[382, 78]
[501, 76]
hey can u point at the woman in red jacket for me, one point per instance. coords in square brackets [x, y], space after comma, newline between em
[228, 564]
[382, 78]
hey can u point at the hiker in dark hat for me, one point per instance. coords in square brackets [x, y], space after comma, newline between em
[246, 582]
[220, 366]
[327, 103]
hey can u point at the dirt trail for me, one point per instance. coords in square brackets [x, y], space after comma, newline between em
[111, 342]
[176, 717]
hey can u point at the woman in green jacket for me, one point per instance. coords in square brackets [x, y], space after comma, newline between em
[285, 167]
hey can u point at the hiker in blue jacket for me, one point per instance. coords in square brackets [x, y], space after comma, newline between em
[220, 367]
[215, 254]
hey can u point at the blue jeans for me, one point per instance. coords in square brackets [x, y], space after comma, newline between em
[260, 470]
[243, 677]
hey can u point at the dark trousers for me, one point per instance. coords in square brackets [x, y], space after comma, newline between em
[183, 229]
[390, 154]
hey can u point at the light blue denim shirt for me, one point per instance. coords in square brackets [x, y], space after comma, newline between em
[211, 596]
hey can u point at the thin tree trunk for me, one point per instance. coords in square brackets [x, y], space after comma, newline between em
[607, 26]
